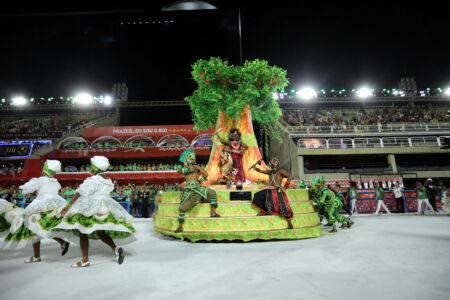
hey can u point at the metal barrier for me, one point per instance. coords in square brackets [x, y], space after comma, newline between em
[380, 128]
[371, 142]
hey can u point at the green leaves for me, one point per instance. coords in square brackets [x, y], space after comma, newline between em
[227, 88]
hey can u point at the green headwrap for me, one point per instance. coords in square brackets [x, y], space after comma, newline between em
[47, 171]
[95, 169]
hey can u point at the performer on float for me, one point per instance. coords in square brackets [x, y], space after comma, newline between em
[273, 200]
[40, 216]
[226, 166]
[238, 150]
[93, 214]
[380, 198]
[331, 205]
[193, 191]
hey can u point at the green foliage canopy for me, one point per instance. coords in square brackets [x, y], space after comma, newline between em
[228, 89]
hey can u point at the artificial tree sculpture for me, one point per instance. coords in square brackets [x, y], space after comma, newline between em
[230, 97]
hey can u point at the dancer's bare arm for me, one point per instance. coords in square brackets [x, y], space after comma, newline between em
[67, 207]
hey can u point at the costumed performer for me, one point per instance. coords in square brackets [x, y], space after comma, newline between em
[193, 191]
[238, 150]
[273, 200]
[93, 214]
[40, 216]
[330, 204]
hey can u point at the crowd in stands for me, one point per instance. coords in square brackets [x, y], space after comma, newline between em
[141, 196]
[105, 145]
[139, 144]
[82, 145]
[338, 117]
[47, 123]
[11, 169]
[134, 167]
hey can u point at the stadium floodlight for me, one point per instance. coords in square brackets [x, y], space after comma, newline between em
[447, 92]
[364, 92]
[275, 96]
[307, 93]
[83, 99]
[19, 101]
[107, 100]
[398, 93]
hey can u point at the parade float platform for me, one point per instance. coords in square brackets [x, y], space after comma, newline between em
[239, 220]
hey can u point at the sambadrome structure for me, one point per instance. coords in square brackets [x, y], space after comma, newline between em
[229, 96]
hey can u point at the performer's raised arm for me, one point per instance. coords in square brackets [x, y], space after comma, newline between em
[221, 141]
[267, 172]
[203, 173]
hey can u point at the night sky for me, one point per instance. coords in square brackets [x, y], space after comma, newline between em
[56, 51]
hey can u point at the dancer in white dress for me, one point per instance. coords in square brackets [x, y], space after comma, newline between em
[5, 207]
[37, 220]
[93, 214]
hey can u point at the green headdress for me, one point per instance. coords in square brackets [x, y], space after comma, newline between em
[301, 184]
[317, 180]
[185, 154]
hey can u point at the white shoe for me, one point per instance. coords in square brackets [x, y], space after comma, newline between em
[33, 260]
[81, 264]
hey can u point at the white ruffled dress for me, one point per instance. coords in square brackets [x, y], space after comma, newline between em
[5, 207]
[96, 210]
[39, 217]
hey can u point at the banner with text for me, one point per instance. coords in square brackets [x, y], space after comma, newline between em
[150, 131]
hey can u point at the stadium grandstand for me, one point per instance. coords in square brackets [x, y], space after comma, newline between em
[386, 136]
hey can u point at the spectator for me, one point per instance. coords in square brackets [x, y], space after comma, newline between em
[422, 198]
[352, 197]
[397, 190]
[431, 191]
[380, 199]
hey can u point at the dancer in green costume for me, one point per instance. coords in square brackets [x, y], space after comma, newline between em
[314, 195]
[193, 191]
[331, 205]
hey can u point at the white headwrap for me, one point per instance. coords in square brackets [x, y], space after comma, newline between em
[52, 166]
[100, 162]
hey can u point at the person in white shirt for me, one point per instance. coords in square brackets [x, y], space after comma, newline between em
[397, 190]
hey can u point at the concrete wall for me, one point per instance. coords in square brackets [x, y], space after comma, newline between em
[286, 151]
